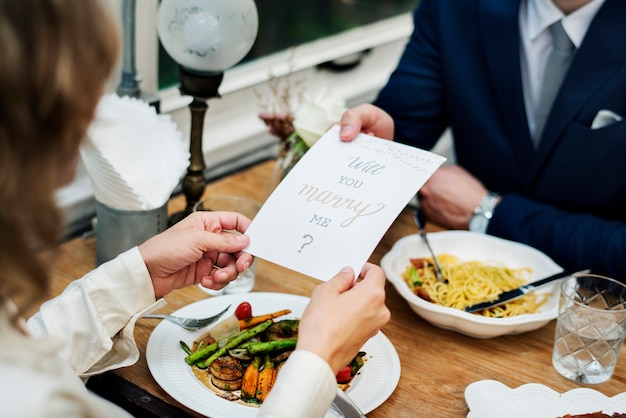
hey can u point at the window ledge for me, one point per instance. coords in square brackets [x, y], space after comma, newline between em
[233, 134]
[303, 57]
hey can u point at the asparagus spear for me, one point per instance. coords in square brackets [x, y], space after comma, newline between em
[201, 353]
[238, 339]
[185, 347]
[255, 348]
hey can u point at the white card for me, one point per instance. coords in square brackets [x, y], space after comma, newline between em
[335, 205]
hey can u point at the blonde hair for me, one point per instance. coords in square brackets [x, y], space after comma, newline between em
[57, 56]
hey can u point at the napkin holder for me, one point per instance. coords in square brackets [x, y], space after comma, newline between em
[120, 230]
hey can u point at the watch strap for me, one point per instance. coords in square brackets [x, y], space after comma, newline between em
[484, 212]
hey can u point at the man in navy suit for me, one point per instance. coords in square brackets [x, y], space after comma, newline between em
[477, 66]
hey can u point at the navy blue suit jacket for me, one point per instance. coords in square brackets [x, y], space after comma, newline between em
[461, 68]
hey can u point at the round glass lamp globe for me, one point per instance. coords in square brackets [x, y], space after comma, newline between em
[207, 35]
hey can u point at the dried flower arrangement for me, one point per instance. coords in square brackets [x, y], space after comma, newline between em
[278, 107]
[296, 130]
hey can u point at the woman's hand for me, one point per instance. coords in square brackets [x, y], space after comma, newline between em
[343, 315]
[201, 248]
[367, 119]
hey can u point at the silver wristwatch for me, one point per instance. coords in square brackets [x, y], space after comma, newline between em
[483, 213]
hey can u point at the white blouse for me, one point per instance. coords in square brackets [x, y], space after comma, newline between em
[88, 330]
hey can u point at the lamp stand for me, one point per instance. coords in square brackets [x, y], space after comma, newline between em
[201, 86]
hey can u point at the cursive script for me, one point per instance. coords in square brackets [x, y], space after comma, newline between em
[370, 167]
[334, 200]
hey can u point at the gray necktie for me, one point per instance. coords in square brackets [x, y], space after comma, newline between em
[556, 67]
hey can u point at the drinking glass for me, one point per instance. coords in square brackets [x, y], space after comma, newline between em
[248, 207]
[589, 328]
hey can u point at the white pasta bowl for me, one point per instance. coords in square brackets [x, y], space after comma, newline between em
[471, 246]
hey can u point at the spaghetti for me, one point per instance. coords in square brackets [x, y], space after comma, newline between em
[471, 282]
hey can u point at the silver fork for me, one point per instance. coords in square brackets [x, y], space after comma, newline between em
[420, 220]
[189, 323]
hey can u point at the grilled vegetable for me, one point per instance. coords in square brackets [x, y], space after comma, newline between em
[201, 353]
[356, 363]
[228, 385]
[244, 363]
[259, 347]
[227, 368]
[226, 373]
[240, 353]
[249, 322]
[287, 329]
[185, 347]
[234, 342]
[250, 379]
[267, 377]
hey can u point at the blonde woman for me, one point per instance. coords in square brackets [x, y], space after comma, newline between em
[57, 56]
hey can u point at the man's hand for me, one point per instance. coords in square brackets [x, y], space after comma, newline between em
[450, 196]
[367, 119]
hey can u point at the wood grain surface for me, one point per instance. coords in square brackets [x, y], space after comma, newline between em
[437, 365]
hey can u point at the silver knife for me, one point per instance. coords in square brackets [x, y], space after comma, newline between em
[346, 406]
[521, 291]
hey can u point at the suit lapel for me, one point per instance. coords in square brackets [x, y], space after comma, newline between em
[600, 56]
[500, 37]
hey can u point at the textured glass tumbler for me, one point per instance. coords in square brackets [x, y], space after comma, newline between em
[248, 207]
[589, 328]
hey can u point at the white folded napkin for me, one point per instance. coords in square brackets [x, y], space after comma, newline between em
[134, 156]
[605, 118]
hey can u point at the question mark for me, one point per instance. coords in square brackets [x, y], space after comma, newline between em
[306, 243]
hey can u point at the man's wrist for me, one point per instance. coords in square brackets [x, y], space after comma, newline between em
[484, 212]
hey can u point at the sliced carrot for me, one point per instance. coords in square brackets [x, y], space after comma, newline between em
[249, 322]
[267, 377]
[250, 379]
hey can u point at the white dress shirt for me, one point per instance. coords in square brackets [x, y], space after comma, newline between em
[536, 42]
[88, 329]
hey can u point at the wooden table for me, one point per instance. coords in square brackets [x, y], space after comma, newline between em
[437, 365]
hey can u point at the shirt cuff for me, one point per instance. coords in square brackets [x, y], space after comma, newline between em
[92, 311]
[120, 288]
[305, 387]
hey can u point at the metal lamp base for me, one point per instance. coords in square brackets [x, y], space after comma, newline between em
[201, 86]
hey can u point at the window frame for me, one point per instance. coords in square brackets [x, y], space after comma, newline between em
[378, 45]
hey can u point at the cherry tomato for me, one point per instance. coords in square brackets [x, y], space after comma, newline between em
[344, 374]
[243, 311]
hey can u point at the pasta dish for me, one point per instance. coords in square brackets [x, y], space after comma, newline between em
[470, 282]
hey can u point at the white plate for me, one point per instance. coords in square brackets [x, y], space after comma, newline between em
[491, 399]
[473, 246]
[376, 381]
